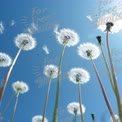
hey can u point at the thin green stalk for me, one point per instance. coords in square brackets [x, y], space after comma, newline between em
[6, 106]
[55, 113]
[103, 91]
[75, 118]
[80, 102]
[15, 106]
[4, 84]
[114, 79]
[108, 70]
[46, 100]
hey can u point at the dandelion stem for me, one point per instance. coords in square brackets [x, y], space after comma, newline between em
[75, 118]
[80, 102]
[6, 106]
[55, 113]
[114, 78]
[93, 117]
[2, 89]
[46, 100]
[103, 91]
[15, 106]
[108, 70]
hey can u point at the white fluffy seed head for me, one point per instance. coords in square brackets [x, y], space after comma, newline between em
[78, 75]
[5, 60]
[38, 118]
[84, 48]
[74, 108]
[67, 36]
[20, 87]
[51, 71]
[116, 117]
[25, 40]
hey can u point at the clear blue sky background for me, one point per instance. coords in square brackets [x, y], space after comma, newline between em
[29, 66]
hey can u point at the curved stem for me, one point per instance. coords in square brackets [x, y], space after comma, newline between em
[107, 67]
[55, 113]
[80, 102]
[114, 79]
[15, 106]
[103, 91]
[4, 84]
[6, 106]
[46, 100]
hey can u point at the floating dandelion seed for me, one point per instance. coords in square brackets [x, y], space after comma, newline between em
[38, 118]
[5, 60]
[78, 75]
[24, 42]
[51, 71]
[20, 87]
[1, 28]
[87, 50]
[66, 36]
[74, 108]
[116, 117]
[45, 48]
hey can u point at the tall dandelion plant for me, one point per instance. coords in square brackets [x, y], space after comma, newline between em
[90, 52]
[51, 71]
[19, 87]
[109, 25]
[67, 38]
[74, 108]
[79, 76]
[23, 42]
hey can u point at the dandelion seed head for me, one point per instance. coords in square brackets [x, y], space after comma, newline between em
[117, 20]
[67, 36]
[25, 39]
[20, 87]
[5, 60]
[116, 117]
[88, 50]
[51, 71]
[78, 75]
[74, 108]
[38, 118]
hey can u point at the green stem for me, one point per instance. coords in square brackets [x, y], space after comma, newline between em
[4, 84]
[75, 118]
[6, 106]
[15, 106]
[93, 117]
[55, 113]
[80, 102]
[114, 79]
[108, 70]
[46, 100]
[103, 91]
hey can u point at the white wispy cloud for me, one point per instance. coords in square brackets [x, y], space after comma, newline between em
[45, 48]
[1, 28]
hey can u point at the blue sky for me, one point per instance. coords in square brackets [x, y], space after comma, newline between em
[17, 17]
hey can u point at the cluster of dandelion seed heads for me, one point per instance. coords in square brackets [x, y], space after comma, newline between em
[5, 60]
[74, 108]
[25, 40]
[88, 51]
[20, 87]
[51, 71]
[67, 36]
[116, 117]
[38, 118]
[78, 75]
